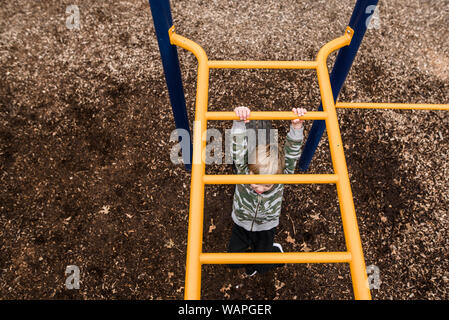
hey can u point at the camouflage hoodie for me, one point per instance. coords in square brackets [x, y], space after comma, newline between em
[259, 212]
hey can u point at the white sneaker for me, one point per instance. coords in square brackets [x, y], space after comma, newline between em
[251, 275]
[278, 245]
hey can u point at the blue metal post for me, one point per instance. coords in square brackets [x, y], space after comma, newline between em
[162, 18]
[359, 22]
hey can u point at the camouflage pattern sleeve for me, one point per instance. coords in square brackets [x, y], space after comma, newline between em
[292, 148]
[240, 146]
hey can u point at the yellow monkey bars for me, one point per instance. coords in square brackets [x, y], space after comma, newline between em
[354, 254]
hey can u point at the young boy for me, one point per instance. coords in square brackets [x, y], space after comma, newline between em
[256, 207]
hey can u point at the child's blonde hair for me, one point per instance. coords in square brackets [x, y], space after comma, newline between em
[266, 159]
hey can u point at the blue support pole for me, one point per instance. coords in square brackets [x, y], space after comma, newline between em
[359, 22]
[162, 18]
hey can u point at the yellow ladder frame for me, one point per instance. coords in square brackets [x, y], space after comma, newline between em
[354, 253]
[195, 256]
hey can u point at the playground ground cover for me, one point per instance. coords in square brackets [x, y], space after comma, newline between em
[86, 176]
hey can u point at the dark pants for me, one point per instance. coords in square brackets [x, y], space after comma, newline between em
[248, 241]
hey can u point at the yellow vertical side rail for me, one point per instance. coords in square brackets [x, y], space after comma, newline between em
[192, 289]
[349, 219]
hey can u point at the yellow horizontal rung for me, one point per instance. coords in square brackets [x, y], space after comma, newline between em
[402, 106]
[262, 64]
[275, 257]
[267, 115]
[270, 179]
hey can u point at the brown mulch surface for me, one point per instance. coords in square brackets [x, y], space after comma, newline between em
[86, 176]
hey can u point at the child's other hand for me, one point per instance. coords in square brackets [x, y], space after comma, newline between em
[297, 123]
[242, 113]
